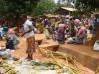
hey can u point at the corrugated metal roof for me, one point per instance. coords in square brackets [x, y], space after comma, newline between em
[69, 9]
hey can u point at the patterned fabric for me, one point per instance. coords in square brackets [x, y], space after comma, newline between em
[61, 35]
[30, 45]
[40, 27]
[47, 34]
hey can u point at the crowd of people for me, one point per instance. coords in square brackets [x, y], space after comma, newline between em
[70, 29]
[64, 28]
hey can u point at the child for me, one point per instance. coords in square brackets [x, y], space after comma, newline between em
[12, 39]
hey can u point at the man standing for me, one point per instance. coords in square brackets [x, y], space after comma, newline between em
[29, 35]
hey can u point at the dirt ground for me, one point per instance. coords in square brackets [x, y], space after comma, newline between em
[20, 52]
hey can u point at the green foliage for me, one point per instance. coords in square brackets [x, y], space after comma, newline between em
[14, 8]
[87, 5]
[45, 6]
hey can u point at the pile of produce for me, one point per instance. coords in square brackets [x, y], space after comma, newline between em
[64, 61]
[55, 63]
[34, 67]
[53, 66]
[6, 68]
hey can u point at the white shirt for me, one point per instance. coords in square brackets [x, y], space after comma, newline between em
[26, 26]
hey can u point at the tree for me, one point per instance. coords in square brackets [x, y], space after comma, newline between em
[12, 9]
[45, 6]
[87, 5]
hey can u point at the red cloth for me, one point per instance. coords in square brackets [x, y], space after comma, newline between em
[81, 31]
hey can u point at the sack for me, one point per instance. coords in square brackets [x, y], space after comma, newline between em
[96, 45]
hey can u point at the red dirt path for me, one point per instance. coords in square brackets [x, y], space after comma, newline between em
[20, 53]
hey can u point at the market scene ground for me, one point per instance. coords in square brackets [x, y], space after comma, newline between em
[49, 36]
[50, 45]
[21, 53]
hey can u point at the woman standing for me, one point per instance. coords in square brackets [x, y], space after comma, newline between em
[29, 35]
[61, 33]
